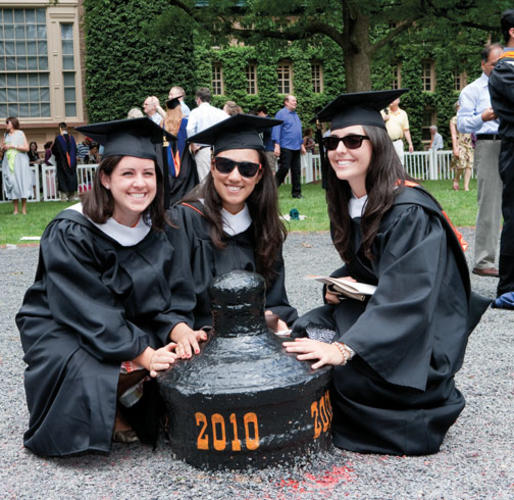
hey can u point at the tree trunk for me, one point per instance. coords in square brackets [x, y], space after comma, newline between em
[356, 49]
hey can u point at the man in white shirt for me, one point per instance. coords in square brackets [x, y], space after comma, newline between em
[200, 118]
[150, 108]
[475, 115]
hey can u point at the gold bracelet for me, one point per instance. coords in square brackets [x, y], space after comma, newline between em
[346, 353]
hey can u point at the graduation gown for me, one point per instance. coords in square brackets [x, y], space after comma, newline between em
[64, 149]
[93, 305]
[397, 395]
[207, 261]
[501, 88]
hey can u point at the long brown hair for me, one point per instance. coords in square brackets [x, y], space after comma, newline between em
[269, 230]
[173, 119]
[383, 180]
[98, 204]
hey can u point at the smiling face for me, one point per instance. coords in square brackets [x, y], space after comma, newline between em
[233, 188]
[133, 185]
[351, 164]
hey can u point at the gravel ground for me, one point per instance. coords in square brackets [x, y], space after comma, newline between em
[475, 461]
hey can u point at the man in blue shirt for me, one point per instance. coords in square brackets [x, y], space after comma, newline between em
[476, 116]
[288, 141]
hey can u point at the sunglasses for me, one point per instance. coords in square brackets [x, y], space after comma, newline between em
[353, 141]
[246, 168]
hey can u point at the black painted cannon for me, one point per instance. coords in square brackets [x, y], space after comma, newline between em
[243, 400]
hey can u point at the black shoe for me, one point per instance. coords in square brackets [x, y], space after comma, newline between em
[297, 196]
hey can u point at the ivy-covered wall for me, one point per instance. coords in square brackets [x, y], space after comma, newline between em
[128, 58]
[458, 55]
[266, 55]
[124, 63]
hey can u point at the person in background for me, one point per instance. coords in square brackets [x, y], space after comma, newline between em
[201, 118]
[436, 143]
[180, 93]
[150, 106]
[262, 111]
[34, 158]
[395, 354]
[16, 173]
[83, 151]
[94, 154]
[308, 141]
[462, 147]
[501, 86]
[64, 149]
[232, 108]
[476, 116]
[397, 125]
[288, 145]
[109, 303]
[135, 113]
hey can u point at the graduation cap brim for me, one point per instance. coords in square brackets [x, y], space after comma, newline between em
[358, 108]
[240, 131]
[133, 137]
[172, 103]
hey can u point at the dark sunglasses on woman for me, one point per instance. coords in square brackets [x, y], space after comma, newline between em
[226, 165]
[353, 141]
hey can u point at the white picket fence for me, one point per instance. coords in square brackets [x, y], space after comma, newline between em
[422, 165]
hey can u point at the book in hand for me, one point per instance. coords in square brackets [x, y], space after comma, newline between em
[346, 288]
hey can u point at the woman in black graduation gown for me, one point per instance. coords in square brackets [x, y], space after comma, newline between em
[109, 291]
[231, 220]
[395, 355]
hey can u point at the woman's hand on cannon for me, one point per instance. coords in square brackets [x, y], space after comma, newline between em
[309, 350]
[187, 340]
[157, 360]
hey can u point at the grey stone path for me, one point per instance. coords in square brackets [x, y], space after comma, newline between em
[476, 459]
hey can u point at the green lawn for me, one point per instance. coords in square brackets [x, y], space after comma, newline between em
[459, 205]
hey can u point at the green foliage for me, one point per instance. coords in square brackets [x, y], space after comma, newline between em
[124, 64]
[457, 52]
[266, 55]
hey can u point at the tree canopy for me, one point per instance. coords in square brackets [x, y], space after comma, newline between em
[360, 28]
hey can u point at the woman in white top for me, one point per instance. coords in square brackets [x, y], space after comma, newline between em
[17, 176]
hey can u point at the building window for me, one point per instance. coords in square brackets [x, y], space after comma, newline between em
[217, 79]
[429, 119]
[24, 74]
[68, 70]
[460, 80]
[251, 78]
[317, 77]
[397, 76]
[428, 76]
[285, 78]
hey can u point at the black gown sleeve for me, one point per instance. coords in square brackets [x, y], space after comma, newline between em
[183, 299]
[78, 298]
[393, 334]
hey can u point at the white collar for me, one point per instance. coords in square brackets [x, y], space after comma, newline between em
[356, 205]
[126, 236]
[234, 223]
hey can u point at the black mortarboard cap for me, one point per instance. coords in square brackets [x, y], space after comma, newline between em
[134, 137]
[507, 19]
[240, 131]
[358, 108]
[172, 103]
